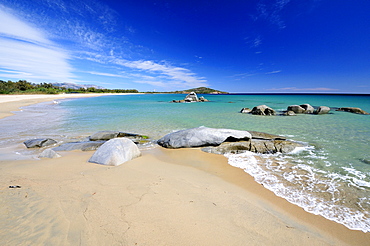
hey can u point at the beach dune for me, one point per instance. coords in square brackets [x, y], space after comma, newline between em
[164, 197]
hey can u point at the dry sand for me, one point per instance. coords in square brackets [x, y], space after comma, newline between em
[164, 197]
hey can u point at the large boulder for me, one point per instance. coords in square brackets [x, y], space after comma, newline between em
[322, 110]
[352, 110]
[201, 136]
[296, 109]
[254, 145]
[84, 146]
[116, 152]
[39, 142]
[263, 110]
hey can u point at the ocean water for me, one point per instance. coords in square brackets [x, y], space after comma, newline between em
[331, 177]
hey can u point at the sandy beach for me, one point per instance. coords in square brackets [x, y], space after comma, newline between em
[164, 197]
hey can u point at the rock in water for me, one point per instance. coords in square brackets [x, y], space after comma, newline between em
[191, 97]
[322, 110]
[245, 110]
[263, 110]
[254, 145]
[296, 109]
[353, 110]
[115, 152]
[308, 108]
[201, 136]
[39, 143]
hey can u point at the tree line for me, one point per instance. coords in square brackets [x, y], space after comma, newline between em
[24, 87]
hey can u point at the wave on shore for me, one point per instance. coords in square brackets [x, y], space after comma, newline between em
[325, 193]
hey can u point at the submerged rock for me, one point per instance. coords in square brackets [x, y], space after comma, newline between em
[201, 136]
[352, 110]
[39, 143]
[116, 152]
[49, 153]
[107, 135]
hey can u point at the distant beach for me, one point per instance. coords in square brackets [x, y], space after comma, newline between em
[164, 197]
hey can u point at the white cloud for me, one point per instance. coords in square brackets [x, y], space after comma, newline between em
[12, 27]
[26, 52]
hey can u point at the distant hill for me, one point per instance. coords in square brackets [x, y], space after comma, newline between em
[76, 86]
[201, 90]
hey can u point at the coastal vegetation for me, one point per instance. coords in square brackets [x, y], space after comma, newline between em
[201, 90]
[25, 87]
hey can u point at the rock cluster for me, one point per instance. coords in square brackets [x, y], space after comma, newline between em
[191, 97]
[113, 147]
[298, 109]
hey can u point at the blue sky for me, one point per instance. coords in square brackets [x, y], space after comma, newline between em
[265, 46]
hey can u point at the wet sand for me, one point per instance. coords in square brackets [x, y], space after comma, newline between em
[164, 197]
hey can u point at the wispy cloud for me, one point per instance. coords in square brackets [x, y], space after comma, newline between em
[70, 33]
[26, 51]
[272, 72]
[107, 74]
[169, 75]
[303, 89]
[271, 12]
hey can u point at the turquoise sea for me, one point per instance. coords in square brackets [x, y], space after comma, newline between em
[331, 177]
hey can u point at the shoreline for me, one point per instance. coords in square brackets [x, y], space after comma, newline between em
[228, 205]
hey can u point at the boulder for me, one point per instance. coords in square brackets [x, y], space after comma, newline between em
[322, 110]
[245, 110]
[191, 97]
[254, 145]
[352, 110]
[201, 136]
[296, 109]
[202, 99]
[263, 110]
[116, 152]
[49, 153]
[84, 146]
[308, 108]
[39, 143]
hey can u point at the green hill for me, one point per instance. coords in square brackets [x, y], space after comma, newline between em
[201, 90]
